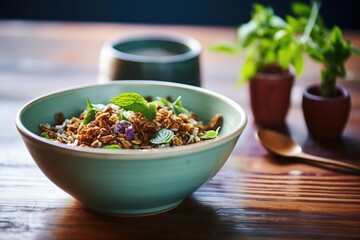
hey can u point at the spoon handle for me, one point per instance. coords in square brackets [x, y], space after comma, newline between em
[329, 161]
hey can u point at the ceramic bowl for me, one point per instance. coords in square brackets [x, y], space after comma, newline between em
[162, 57]
[130, 182]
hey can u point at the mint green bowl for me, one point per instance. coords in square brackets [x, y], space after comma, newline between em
[130, 182]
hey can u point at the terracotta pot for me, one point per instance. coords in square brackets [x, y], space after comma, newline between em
[326, 117]
[270, 98]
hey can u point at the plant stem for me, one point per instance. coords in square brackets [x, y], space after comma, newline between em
[328, 82]
[311, 22]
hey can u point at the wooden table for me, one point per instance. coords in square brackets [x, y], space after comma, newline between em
[253, 196]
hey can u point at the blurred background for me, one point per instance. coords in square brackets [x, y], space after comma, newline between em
[191, 12]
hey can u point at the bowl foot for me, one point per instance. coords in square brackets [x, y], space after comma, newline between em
[131, 212]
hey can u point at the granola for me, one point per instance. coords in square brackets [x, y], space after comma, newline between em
[151, 124]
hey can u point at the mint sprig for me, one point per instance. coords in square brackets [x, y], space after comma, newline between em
[131, 101]
[175, 106]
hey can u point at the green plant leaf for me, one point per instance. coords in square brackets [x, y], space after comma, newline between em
[248, 70]
[47, 137]
[175, 106]
[225, 47]
[341, 72]
[112, 146]
[162, 136]
[277, 22]
[354, 49]
[92, 109]
[301, 9]
[135, 102]
[285, 55]
[178, 108]
[211, 134]
[90, 116]
[270, 55]
[298, 61]
[127, 99]
[314, 51]
[280, 34]
[336, 35]
[247, 33]
[150, 111]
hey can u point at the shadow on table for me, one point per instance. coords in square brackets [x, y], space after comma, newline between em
[190, 219]
[345, 149]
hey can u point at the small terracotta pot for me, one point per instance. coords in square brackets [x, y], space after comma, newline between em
[326, 117]
[270, 98]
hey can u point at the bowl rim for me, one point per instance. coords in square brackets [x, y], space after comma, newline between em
[193, 45]
[131, 153]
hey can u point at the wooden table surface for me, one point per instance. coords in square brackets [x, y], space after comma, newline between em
[253, 196]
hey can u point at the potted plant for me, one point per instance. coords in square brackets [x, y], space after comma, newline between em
[326, 105]
[273, 57]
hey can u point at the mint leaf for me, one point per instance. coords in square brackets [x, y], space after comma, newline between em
[92, 109]
[211, 134]
[150, 111]
[128, 99]
[131, 101]
[90, 116]
[112, 146]
[162, 136]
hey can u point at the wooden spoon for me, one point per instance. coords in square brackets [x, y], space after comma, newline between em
[282, 145]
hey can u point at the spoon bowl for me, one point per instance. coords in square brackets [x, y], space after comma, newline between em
[278, 143]
[282, 145]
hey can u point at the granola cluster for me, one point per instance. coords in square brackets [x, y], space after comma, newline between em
[107, 129]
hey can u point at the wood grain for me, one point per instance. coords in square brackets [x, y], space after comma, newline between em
[255, 195]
